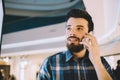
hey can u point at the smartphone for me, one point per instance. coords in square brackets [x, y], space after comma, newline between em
[87, 40]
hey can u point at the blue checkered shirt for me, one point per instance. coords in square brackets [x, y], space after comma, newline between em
[64, 66]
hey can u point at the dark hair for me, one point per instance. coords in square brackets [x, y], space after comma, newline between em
[77, 13]
[118, 62]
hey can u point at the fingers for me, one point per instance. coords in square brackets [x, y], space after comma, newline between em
[91, 38]
[86, 45]
[89, 41]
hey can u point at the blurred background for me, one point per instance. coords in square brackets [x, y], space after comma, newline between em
[1, 18]
[35, 29]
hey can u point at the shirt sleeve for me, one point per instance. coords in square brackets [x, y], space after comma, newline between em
[108, 68]
[44, 72]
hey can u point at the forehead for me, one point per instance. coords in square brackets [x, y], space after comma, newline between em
[77, 21]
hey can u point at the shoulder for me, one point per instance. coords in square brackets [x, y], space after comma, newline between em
[105, 63]
[60, 54]
[103, 60]
[55, 57]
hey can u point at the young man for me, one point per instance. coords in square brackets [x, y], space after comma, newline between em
[82, 60]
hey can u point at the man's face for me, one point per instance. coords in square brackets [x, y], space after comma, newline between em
[75, 30]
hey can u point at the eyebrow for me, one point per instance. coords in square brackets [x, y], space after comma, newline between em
[80, 26]
[77, 25]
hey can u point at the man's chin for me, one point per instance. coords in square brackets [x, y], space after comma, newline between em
[75, 48]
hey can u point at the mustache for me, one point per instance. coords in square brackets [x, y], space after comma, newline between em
[73, 37]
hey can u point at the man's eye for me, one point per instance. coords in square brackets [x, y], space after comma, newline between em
[79, 29]
[68, 28]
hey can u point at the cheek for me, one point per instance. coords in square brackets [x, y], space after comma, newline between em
[67, 33]
[81, 36]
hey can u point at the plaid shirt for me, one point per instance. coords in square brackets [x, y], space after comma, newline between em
[64, 66]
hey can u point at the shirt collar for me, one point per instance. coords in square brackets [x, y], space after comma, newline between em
[69, 55]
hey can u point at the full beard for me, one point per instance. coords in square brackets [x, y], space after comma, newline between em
[75, 48]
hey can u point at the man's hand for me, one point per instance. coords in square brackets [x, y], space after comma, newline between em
[93, 48]
[94, 55]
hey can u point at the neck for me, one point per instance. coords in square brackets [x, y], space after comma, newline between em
[80, 54]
